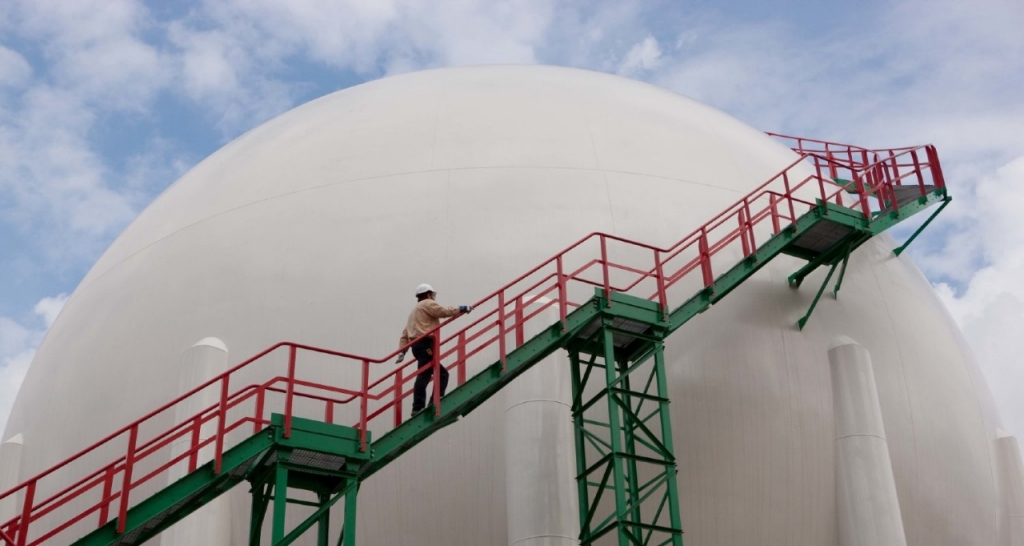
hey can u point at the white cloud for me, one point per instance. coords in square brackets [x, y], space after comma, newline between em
[14, 69]
[642, 57]
[991, 307]
[18, 343]
[50, 307]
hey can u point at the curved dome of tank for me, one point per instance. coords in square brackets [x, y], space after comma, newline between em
[316, 226]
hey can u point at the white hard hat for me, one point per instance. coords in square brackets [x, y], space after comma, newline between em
[423, 289]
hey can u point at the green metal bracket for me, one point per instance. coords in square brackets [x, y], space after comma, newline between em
[904, 246]
[845, 257]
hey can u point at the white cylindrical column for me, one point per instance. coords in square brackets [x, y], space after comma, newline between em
[10, 475]
[540, 464]
[868, 509]
[212, 523]
[1011, 491]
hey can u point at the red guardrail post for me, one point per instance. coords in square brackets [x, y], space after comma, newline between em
[222, 417]
[398, 397]
[918, 171]
[705, 258]
[461, 355]
[563, 298]
[290, 394]
[328, 412]
[437, 372]
[605, 273]
[126, 482]
[193, 455]
[258, 423]
[864, 207]
[108, 488]
[743, 232]
[789, 196]
[933, 163]
[501, 328]
[659, 276]
[364, 401]
[520, 331]
[773, 203]
[26, 512]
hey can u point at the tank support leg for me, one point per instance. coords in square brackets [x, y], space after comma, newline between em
[626, 469]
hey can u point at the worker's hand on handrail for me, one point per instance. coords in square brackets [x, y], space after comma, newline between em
[401, 357]
[464, 309]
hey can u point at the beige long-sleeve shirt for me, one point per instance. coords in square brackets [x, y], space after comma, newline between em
[425, 317]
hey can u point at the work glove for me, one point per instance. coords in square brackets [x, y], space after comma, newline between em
[401, 357]
[465, 308]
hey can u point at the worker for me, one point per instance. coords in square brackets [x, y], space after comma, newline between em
[426, 316]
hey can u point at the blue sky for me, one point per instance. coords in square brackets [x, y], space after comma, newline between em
[104, 103]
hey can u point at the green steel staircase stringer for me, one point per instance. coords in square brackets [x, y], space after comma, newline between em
[181, 498]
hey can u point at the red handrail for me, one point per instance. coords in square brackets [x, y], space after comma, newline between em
[556, 284]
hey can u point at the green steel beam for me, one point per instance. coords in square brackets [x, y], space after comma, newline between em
[917, 232]
[195, 489]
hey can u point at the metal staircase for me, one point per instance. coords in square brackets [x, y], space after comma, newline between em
[610, 310]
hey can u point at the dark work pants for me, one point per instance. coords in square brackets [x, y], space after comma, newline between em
[423, 352]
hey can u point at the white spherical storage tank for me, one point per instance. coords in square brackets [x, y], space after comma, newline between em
[316, 227]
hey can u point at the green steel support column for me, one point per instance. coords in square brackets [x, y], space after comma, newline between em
[280, 501]
[615, 428]
[666, 438]
[581, 444]
[349, 531]
[630, 441]
[260, 500]
[324, 523]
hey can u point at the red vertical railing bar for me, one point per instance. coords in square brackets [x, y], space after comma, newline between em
[290, 393]
[705, 258]
[108, 488]
[520, 331]
[26, 512]
[865, 209]
[821, 185]
[329, 412]
[461, 355]
[436, 363]
[563, 298]
[258, 422]
[743, 232]
[659, 276]
[193, 449]
[773, 203]
[750, 226]
[918, 171]
[126, 482]
[399, 386]
[605, 273]
[501, 328]
[364, 395]
[788, 196]
[222, 417]
[933, 162]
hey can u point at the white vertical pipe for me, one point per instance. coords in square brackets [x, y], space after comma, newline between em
[10, 475]
[212, 523]
[1011, 490]
[868, 509]
[540, 463]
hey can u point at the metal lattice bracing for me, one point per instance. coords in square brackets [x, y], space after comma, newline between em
[626, 468]
[614, 310]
